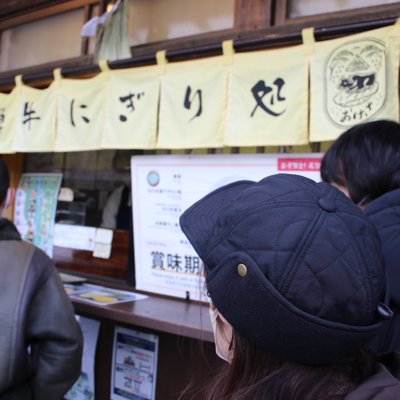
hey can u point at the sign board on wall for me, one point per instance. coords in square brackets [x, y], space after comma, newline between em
[164, 186]
[35, 208]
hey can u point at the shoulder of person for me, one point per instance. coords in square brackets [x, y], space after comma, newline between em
[384, 384]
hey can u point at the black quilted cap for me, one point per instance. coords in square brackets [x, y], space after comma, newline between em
[292, 264]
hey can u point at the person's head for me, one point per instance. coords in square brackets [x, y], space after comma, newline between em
[4, 181]
[293, 266]
[365, 161]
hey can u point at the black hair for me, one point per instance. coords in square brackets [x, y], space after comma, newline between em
[4, 181]
[365, 160]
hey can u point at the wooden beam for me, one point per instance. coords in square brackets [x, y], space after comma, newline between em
[47, 69]
[252, 14]
[281, 11]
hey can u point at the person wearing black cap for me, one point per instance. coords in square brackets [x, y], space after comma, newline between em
[364, 162]
[297, 284]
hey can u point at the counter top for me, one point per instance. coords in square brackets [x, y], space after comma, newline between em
[177, 317]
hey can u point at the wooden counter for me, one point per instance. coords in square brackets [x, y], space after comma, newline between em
[177, 317]
[186, 354]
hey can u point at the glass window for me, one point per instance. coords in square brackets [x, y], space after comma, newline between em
[46, 40]
[156, 20]
[302, 8]
[92, 175]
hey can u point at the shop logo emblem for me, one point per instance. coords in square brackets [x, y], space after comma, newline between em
[153, 178]
[356, 82]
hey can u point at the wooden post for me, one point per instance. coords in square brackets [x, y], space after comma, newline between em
[15, 166]
[252, 14]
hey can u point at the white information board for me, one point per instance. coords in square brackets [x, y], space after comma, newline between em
[163, 186]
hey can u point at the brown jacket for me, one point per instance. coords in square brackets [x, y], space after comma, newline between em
[40, 340]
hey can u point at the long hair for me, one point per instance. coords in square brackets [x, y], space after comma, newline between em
[256, 375]
[365, 160]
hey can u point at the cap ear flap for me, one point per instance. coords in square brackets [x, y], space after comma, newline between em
[258, 312]
[237, 288]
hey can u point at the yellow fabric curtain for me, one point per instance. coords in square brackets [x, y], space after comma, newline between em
[259, 98]
[131, 109]
[354, 80]
[192, 105]
[9, 110]
[36, 121]
[268, 98]
[80, 109]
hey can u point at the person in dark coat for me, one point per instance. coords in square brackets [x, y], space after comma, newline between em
[364, 162]
[40, 339]
[295, 275]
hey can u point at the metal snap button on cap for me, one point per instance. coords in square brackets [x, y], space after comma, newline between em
[242, 269]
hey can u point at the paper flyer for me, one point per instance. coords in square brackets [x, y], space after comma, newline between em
[134, 366]
[35, 209]
[100, 295]
[84, 387]
[74, 236]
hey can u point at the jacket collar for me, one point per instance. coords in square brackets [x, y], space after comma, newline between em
[384, 384]
[8, 231]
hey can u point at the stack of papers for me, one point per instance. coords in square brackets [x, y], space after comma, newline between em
[68, 278]
[100, 295]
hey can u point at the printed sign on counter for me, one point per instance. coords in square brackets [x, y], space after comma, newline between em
[74, 236]
[84, 387]
[164, 186]
[100, 295]
[134, 367]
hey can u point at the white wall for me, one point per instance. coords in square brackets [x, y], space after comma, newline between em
[49, 39]
[155, 20]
